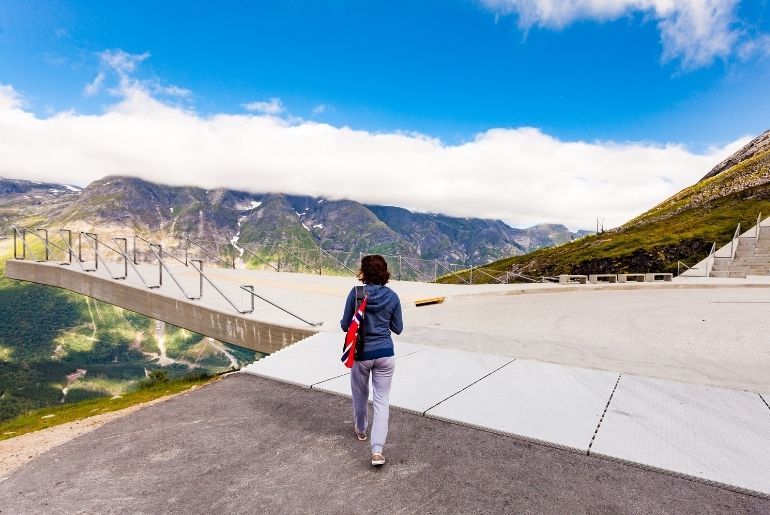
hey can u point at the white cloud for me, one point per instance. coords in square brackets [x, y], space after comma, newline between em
[695, 31]
[522, 176]
[9, 98]
[320, 109]
[122, 62]
[95, 86]
[759, 46]
[272, 106]
[122, 65]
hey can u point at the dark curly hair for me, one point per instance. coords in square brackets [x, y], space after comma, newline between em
[374, 270]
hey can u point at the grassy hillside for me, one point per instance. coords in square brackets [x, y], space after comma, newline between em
[58, 347]
[682, 228]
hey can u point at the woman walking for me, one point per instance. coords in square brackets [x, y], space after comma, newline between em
[376, 359]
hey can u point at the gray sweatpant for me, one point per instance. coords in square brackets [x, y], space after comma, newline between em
[381, 371]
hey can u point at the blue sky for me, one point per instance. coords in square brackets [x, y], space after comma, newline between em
[632, 74]
[444, 68]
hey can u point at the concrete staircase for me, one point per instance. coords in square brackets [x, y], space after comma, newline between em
[752, 257]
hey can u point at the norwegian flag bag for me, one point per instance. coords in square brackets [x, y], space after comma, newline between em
[354, 338]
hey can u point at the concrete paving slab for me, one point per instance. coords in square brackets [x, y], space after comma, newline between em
[552, 404]
[312, 360]
[705, 432]
[426, 378]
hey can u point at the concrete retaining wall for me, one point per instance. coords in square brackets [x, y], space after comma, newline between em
[194, 316]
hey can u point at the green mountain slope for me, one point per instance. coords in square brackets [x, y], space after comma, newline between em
[60, 347]
[681, 228]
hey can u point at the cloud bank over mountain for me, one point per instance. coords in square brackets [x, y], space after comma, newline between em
[520, 175]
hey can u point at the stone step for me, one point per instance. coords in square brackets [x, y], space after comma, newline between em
[737, 269]
[728, 275]
[752, 260]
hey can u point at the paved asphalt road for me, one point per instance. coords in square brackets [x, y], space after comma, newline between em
[251, 445]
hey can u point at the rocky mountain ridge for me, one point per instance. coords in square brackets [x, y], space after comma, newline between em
[756, 146]
[256, 219]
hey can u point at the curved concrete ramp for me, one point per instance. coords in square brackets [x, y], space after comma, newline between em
[209, 316]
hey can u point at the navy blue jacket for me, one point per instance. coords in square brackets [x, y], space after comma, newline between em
[383, 315]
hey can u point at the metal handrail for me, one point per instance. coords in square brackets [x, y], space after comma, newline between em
[453, 272]
[95, 246]
[159, 257]
[419, 272]
[70, 250]
[733, 246]
[299, 258]
[710, 259]
[679, 264]
[343, 265]
[480, 269]
[250, 289]
[46, 242]
[204, 276]
[131, 263]
[218, 258]
[24, 246]
[265, 261]
[759, 221]
[80, 255]
[169, 254]
[522, 276]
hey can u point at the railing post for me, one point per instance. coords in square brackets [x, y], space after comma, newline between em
[160, 262]
[16, 244]
[69, 246]
[125, 255]
[200, 276]
[400, 269]
[47, 252]
[435, 270]
[250, 288]
[186, 250]
[96, 250]
[68, 241]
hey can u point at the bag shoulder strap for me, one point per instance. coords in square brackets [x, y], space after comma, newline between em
[360, 294]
